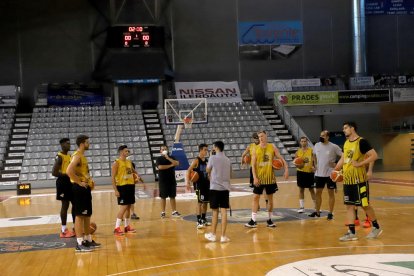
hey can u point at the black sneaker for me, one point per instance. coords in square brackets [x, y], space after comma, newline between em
[315, 214]
[270, 224]
[134, 216]
[330, 216]
[91, 244]
[251, 224]
[82, 248]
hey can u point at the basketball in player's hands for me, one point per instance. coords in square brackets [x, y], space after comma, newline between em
[194, 176]
[277, 164]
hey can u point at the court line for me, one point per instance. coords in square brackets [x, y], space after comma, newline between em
[257, 253]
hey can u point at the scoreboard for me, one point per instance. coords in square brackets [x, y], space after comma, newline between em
[135, 36]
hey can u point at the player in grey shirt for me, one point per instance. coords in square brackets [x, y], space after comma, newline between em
[219, 170]
[325, 156]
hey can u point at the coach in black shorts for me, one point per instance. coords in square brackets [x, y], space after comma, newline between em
[166, 179]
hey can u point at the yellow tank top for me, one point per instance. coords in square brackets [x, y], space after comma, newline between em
[82, 169]
[264, 169]
[307, 156]
[65, 162]
[351, 174]
[252, 148]
[124, 174]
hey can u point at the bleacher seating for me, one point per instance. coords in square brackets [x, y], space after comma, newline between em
[107, 128]
[233, 123]
[6, 123]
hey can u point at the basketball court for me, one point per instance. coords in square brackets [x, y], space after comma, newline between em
[175, 246]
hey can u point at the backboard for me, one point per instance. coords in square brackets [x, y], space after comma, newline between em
[177, 110]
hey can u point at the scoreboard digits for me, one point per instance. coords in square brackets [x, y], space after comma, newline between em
[135, 37]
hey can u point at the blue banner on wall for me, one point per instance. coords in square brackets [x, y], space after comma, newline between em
[66, 95]
[271, 33]
[389, 7]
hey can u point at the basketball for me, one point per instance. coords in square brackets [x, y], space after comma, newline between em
[298, 162]
[336, 176]
[247, 159]
[136, 177]
[92, 227]
[194, 176]
[277, 164]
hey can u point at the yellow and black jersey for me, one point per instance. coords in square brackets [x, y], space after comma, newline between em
[355, 150]
[307, 156]
[82, 169]
[65, 162]
[124, 174]
[264, 168]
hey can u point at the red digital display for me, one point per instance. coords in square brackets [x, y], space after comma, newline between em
[135, 36]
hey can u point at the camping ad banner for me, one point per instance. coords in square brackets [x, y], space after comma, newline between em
[213, 91]
[332, 97]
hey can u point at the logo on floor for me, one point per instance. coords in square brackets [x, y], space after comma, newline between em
[364, 264]
[32, 243]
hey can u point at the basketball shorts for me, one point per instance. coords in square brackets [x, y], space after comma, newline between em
[64, 188]
[126, 194]
[219, 199]
[167, 190]
[82, 200]
[356, 194]
[202, 191]
[320, 182]
[305, 179]
[270, 189]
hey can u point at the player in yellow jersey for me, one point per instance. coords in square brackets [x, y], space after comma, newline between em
[305, 173]
[248, 152]
[123, 183]
[63, 186]
[357, 154]
[78, 172]
[264, 177]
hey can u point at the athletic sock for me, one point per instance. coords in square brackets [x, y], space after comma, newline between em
[302, 203]
[352, 228]
[254, 216]
[356, 213]
[79, 240]
[89, 238]
[126, 222]
[375, 224]
[203, 216]
[63, 228]
[118, 222]
[270, 215]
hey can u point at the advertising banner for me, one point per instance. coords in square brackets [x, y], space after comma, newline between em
[213, 91]
[68, 95]
[279, 85]
[364, 96]
[389, 7]
[362, 81]
[403, 94]
[307, 98]
[270, 33]
[332, 97]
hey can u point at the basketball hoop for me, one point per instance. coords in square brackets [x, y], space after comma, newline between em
[188, 122]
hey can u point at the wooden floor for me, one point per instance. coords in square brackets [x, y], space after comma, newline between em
[176, 247]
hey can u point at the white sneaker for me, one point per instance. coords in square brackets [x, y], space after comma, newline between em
[200, 225]
[210, 237]
[175, 214]
[301, 210]
[375, 232]
[348, 237]
[224, 239]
